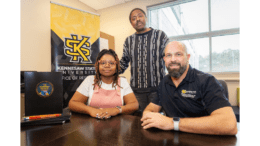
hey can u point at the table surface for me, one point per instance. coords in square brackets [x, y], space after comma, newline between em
[120, 130]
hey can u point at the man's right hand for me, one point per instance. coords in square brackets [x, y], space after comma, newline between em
[151, 119]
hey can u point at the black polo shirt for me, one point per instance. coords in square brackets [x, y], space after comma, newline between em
[199, 94]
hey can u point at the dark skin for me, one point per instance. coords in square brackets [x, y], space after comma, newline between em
[138, 21]
[107, 71]
[77, 102]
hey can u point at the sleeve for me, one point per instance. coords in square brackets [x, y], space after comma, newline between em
[213, 95]
[124, 61]
[126, 87]
[164, 42]
[85, 85]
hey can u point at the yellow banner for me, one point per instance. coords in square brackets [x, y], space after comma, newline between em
[75, 36]
[66, 21]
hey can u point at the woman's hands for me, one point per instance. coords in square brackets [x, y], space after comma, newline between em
[104, 113]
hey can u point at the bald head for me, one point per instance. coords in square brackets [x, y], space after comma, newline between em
[176, 59]
[176, 44]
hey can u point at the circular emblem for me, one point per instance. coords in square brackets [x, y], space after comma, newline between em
[44, 89]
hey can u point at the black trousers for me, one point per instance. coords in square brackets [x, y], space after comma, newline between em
[144, 98]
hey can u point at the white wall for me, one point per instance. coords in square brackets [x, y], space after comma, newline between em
[36, 33]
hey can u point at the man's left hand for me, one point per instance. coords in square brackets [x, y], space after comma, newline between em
[157, 120]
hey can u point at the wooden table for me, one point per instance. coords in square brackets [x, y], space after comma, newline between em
[119, 130]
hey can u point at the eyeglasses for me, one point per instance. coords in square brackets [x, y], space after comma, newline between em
[110, 63]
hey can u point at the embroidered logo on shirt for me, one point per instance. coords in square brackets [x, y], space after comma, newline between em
[186, 93]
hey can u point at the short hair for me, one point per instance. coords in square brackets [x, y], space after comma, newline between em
[136, 9]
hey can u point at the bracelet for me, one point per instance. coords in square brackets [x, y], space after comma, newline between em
[120, 109]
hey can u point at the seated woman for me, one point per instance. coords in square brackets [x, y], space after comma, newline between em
[107, 93]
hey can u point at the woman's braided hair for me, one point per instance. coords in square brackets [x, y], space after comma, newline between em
[97, 80]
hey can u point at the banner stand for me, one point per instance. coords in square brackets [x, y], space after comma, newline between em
[75, 39]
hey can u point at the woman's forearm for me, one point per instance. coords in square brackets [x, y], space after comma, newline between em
[80, 107]
[130, 108]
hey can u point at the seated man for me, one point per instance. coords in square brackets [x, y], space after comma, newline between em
[193, 101]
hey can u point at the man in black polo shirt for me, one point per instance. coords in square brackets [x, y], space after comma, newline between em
[193, 101]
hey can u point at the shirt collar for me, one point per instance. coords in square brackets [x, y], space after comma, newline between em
[145, 32]
[168, 79]
[190, 77]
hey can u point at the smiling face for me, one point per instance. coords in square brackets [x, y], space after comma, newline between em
[176, 59]
[107, 65]
[138, 20]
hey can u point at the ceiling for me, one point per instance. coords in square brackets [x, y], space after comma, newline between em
[101, 4]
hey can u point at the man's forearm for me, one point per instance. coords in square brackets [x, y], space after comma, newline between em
[206, 125]
[215, 124]
[146, 111]
[151, 108]
[124, 61]
[220, 122]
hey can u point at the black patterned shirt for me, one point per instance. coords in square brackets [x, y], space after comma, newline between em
[145, 54]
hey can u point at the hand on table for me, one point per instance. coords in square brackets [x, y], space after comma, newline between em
[104, 113]
[95, 112]
[157, 120]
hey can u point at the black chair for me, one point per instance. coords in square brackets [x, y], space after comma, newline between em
[224, 85]
[235, 108]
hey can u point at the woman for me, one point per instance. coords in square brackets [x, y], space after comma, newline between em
[107, 93]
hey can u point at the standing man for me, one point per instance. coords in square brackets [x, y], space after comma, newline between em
[144, 50]
[193, 101]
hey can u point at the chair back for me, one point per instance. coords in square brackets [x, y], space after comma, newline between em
[224, 85]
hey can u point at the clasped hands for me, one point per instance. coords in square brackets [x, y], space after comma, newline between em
[105, 113]
[157, 120]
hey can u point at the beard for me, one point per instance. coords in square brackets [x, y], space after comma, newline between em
[176, 73]
[139, 29]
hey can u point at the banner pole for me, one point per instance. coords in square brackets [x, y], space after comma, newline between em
[74, 8]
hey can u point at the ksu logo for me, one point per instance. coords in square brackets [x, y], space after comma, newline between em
[76, 49]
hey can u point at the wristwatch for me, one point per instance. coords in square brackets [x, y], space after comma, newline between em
[120, 109]
[176, 121]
